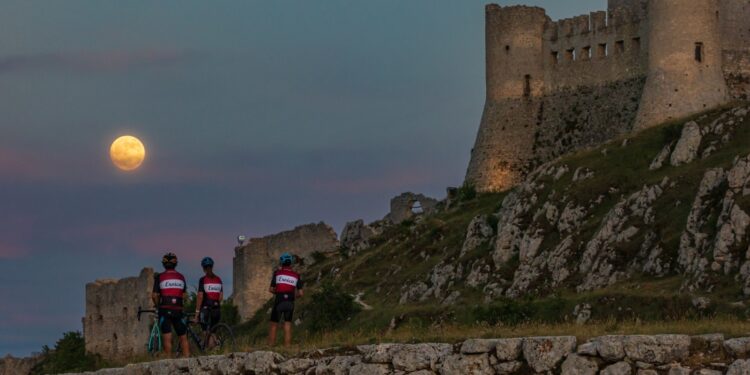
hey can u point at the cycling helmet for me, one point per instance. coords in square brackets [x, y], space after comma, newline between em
[169, 260]
[286, 259]
[207, 262]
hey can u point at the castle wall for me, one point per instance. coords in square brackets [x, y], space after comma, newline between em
[110, 327]
[735, 35]
[681, 83]
[254, 262]
[515, 82]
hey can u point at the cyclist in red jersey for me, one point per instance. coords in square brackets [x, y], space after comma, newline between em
[210, 295]
[170, 290]
[286, 284]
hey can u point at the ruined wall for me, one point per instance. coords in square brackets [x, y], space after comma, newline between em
[110, 327]
[18, 366]
[254, 262]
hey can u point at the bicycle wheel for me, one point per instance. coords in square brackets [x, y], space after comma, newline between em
[154, 341]
[220, 339]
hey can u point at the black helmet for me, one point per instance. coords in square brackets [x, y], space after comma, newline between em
[169, 261]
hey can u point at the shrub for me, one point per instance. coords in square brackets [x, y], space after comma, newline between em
[329, 307]
[507, 312]
[229, 313]
[69, 355]
[466, 192]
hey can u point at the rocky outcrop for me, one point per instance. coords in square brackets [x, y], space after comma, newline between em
[660, 354]
[110, 327]
[253, 263]
[356, 235]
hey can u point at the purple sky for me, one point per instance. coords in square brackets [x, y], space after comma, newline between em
[256, 116]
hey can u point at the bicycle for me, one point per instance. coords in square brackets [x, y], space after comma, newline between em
[216, 338]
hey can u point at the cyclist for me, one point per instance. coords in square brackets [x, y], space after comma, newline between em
[286, 284]
[210, 295]
[169, 292]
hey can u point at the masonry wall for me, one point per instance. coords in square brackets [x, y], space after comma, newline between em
[735, 36]
[110, 327]
[254, 262]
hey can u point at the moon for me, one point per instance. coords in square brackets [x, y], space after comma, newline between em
[127, 153]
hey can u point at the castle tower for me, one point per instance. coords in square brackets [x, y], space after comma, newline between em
[685, 61]
[515, 84]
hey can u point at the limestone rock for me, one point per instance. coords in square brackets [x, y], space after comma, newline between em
[479, 346]
[478, 233]
[356, 235]
[619, 368]
[508, 349]
[582, 313]
[577, 365]
[686, 148]
[659, 349]
[545, 353]
[660, 158]
[739, 367]
[610, 348]
[295, 366]
[738, 347]
[420, 356]
[679, 370]
[507, 368]
[369, 369]
[463, 364]
[409, 205]
[587, 349]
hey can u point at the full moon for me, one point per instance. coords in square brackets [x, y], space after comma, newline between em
[127, 153]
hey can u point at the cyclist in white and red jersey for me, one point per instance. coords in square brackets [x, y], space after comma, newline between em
[286, 284]
[210, 295]
[170, 290]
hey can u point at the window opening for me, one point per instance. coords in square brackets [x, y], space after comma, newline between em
[619, 47]
[555, 57]
[601, 50]
[699, 52]
[527, 86]
[586, 53]
[636, 45]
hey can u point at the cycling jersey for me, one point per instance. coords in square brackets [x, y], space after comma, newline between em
[171, 286]
[285, 283]
[211, 286]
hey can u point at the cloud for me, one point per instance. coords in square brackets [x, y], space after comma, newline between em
[90, 61]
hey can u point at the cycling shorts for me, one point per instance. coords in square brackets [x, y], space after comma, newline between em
[209, 315]
[169, 318]
[282, 310]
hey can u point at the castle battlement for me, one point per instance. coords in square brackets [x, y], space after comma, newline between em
[556, 86]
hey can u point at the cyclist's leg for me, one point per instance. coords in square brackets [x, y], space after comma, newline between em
[181, 329]
[288, 326]
[165, 323]
[273, 327]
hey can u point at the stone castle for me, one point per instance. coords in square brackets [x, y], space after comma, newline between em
[553, 87]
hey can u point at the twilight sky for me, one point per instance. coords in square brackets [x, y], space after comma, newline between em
[256, 116]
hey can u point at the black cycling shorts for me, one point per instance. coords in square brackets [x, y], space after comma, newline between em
[283, 310]
[169, 318]
[209, 315]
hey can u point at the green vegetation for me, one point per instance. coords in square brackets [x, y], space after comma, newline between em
[69, 355]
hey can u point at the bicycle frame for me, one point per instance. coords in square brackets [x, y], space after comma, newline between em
[155, 334]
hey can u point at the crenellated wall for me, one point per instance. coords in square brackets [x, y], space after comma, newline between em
[556, 86]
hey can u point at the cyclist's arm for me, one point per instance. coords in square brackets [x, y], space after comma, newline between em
[155, 291]
[198, 302]
[221, 296]
[155, 298]
[272, 288]
[300, 286]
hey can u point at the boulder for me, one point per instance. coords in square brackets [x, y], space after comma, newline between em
[466, 364]
[659, 349]
[507, 368]
[578, 365]
[739, 367]
[478, 232]
[686, 148]
[619, 368]
[545, 353]
[420, 356]
[508, 349]
[738, 348]
[610, 348]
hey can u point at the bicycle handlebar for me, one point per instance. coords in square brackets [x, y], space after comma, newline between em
[154, 311]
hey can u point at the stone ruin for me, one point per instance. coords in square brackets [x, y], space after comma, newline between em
[409, 205]
[110, 327]
[255, 261]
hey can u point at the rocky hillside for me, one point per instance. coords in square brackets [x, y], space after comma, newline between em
[650, 227]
